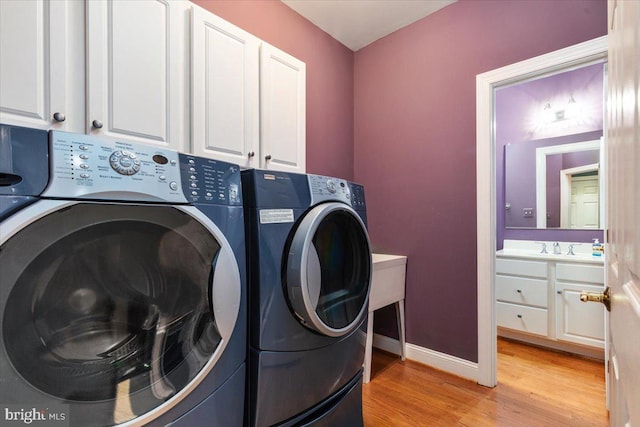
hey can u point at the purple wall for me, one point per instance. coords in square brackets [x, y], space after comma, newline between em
[329, 76]
[415, 149]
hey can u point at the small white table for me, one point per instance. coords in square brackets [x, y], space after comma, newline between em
[387, 287]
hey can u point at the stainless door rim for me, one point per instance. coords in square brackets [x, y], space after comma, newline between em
[298, 269]
[225, 286]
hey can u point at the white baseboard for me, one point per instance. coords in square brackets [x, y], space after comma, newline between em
[444, 362]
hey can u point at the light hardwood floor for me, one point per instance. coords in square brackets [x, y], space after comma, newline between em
[536, 387]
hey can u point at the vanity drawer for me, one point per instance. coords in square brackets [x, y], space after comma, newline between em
[580, 273]
[521, 268]
[522, 318]
[522, 290]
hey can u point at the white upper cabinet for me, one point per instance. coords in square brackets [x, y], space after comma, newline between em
[42, 64]
[225, 78]
[282, 110]
[248, 98]
[137, 70]
[161, 72]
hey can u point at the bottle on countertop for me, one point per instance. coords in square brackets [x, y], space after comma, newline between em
[597, 248]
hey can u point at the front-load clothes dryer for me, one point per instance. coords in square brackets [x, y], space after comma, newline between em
[310, 268]
[122, 293]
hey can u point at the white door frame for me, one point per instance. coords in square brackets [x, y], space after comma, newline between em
[561, 60]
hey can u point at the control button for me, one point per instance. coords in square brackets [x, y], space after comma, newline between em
[192, 169]
[173, 162]
[331, 186]
[194, 185]
[136, 161]
[173, 185]
[125, 153]
[136, 168]
[162, 178]
[209, 194]
[192, 177]
[195, 193]
[126, 162]
[84, 166]
[84, 175]
[84, 156]
[116, 154]
[191, 162]
[132, 156]
[84, 147]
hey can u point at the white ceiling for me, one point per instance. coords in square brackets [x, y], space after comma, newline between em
[356, 23]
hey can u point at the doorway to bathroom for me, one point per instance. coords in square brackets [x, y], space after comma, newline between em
[551, 125]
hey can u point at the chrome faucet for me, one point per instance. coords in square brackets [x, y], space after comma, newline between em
[544, 247]
[556, 249]
[570, 252]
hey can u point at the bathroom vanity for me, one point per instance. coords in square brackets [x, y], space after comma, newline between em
[538, 296]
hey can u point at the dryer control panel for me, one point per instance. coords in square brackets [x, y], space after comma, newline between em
[88, 167]
[326, 188]
[210, 181]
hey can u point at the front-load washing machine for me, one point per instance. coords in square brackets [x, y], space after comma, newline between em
[310, 267]
[122, 293]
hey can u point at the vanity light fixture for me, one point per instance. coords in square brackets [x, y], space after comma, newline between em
[548, 115]
[572, 110]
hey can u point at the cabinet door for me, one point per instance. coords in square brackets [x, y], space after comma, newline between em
[224, 93]
[282, 110]
[136, 70]
[576, 321]
[42, 64]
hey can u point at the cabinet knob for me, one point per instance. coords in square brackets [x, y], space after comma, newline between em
[59, 117]
[559, 292]
[519, 291]
[251, 153]
[519, 316]
[267, 157]
[96, 124]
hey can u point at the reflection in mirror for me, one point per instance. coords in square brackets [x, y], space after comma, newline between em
[568, 186]
[550, 129]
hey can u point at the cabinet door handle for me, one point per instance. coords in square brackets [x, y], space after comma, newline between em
[251, 153]
[97, 124]
[59, 117]
[267, 157]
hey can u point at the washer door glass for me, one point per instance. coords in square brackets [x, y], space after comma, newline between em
[329, 269]
[108, 307]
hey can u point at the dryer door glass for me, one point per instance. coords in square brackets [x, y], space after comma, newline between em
[329, 269]
[343, 258]
[107, 308]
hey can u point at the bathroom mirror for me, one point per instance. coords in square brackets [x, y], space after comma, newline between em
[550, 129]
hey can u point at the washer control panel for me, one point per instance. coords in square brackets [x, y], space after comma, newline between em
[88, 167]
[326, 188]
[210, 181]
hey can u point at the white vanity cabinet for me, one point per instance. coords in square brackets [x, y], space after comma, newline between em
[248, 98]
[538, 300]
[576, 321]
[42, 64]
[522, 291]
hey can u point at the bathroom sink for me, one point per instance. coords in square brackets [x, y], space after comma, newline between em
[536, 254]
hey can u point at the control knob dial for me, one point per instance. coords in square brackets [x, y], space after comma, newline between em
[124, 162]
